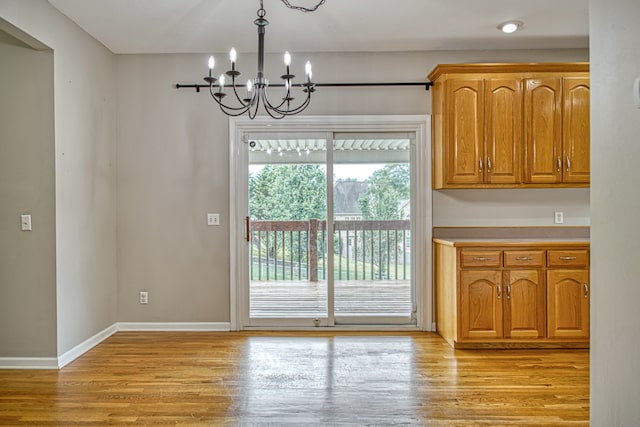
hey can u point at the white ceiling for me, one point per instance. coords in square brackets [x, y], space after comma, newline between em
[200, 26]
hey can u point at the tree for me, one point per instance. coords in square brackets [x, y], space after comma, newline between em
[288, 193]
[387, 187]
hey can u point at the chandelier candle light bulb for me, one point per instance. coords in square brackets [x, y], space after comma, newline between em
[212, 63]
[233, 56]
[307, 70]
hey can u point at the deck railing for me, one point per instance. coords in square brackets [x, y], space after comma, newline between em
[363, 250]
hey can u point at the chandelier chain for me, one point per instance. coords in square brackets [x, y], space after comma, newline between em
[303, 9]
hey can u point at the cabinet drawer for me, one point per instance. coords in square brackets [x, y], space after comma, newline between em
[480, 258]
[524, 258]
[568, 258]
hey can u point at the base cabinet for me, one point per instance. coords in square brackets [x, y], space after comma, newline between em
[527, 296]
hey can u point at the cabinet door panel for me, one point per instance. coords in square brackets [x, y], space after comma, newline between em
[568, 303]
[464, 131]
[503, 131]
[576, 129]
[480, 304]
[543, 130]
[524, 304]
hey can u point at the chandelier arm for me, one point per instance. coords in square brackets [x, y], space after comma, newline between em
[270, 109]
[297, 109]
[257, 106]
[228, 110]
[268, 104]
[226, 107]
[235, 91]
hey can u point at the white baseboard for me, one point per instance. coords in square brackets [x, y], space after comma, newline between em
[82, 348]
[71, 355]
[175, 326]
[28, 363]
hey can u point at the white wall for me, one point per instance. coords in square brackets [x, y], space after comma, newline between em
[173, 169]
[27, 178]
[615, 212]
[85, 133]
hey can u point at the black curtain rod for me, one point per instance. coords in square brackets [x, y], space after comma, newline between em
[426, 85]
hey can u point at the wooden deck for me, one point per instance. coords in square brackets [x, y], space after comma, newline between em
[295, 299]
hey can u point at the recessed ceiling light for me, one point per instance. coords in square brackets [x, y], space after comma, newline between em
[510, 27]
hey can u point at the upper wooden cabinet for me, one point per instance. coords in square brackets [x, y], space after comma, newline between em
[510, 125]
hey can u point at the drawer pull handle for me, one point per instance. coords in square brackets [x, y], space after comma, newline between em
[508, 291]
[586, 291]
[568, 258]
[499, 291]
[481, 258]
[524, 258]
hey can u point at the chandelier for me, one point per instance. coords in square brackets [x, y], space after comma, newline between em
[256, 89]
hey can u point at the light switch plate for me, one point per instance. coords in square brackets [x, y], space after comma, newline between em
[25, 222]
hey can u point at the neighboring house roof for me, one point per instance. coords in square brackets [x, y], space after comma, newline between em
[346, 195]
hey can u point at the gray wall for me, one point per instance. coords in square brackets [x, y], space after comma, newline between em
[515, 207]
[27, 186]
[615, 211]
[173, 169]
[84, 78]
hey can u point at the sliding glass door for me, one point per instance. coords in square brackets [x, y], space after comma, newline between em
[288, 230]
[328, 229]
[372, 228]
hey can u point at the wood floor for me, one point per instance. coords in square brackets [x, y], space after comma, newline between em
[211, 379]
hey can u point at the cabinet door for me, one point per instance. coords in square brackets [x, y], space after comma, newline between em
[503, 131]
[524, 304]
[480, 304]
[543, 131]
[568, 303]
[464, 116]
[575, 135]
